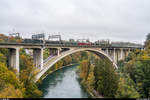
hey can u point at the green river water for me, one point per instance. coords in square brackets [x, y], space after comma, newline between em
[63, 83]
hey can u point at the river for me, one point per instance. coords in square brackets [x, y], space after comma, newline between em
[63, 83]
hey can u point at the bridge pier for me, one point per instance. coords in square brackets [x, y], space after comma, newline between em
[114, 55]
[14, 58]
[121, 56]
[117, 55]
[58, 51]
[129, 50]
[107, 51]
[38, 57]
[53, 51]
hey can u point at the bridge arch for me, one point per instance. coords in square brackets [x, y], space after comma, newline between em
[54, 60]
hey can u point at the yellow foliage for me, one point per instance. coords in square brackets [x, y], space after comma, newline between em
[3, 68]
[84, 68]
[10, 92]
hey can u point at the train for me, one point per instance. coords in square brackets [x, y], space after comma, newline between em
[75, 43]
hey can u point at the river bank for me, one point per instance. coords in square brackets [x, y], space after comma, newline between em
[92, 93]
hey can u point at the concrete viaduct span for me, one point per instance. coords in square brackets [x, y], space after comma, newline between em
[49, 63]
[58, 52]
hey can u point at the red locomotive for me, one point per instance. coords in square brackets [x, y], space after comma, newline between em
[84, 42]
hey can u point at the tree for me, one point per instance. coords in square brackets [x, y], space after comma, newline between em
[10, 86]
[46, 53]
[139, 70]
[106, 79]
[27, 77]
[147, 42]
[8, 76]
[126, 88]
[10, 92]
[91, 79]
[84, 69]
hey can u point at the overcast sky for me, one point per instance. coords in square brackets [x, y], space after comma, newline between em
[117, 20]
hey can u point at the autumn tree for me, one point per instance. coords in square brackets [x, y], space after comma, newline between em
[10, 92]
[106, 79]
[126, 88]
[84, 69]
[27, 77]
[147, 42]
[91, 78]
[10, 86]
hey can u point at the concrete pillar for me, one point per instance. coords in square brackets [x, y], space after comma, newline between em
[117, 55]
[125, 53]
[128, 52]
[38, 57]
[114, 56]
[121, 57]
[14, 58]
[58, 51]
[107, 51]
[111, 53]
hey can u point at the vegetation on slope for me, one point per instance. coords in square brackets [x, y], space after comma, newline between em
[12, 85]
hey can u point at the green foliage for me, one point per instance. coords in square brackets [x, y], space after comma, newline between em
[106, 79]
[27, 77]
[4, 55]
[147, 42]
[126, 88]
[84, 55]
[121, 64]
[2, 58]
[4, 38]
[10, 92]
[91, 78]
[84, 69]
[10, 86]
[46, 53]
[3, 68]
[139, 70]
[138, 67]
[8, 76]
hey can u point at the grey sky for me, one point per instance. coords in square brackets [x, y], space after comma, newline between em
[117, 20]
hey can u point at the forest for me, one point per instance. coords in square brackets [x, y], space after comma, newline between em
[130, 80]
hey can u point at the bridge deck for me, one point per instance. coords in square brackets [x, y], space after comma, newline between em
[64, 45]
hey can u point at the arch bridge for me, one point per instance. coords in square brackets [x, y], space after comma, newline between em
[58, 52]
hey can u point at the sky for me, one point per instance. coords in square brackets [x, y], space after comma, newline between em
[116, 20]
